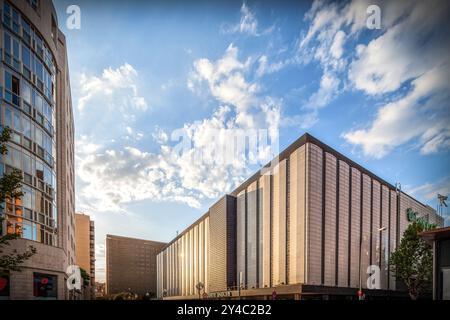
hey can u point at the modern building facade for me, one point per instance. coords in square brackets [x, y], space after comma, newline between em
[131, 265]
[440, 240]
[36, 106]
[85, 248]
[308, 225]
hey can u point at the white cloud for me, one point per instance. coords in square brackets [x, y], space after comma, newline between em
[429, 191]
[395, 59]
[226, 79]
[248, 24]
[114, 85]
[422, 113]
[328, 89]
[324, 42]
[338, 43]
[265, 67]
[408, 59]
[114, 175]
[160, 136]
[401, 54]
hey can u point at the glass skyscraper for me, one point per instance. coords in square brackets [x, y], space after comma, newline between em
[36, 107]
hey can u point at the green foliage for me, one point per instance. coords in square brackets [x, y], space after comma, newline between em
[10, 183]
[10, 188]
[412, 261]
[85, 276]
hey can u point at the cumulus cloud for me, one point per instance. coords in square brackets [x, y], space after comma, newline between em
[194, 162]
[266, 67]
[429, 191]
[402, 65]
[248, 24]
[400, 58]
[412, 116]
[113, 84]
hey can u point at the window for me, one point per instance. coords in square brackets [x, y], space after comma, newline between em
[26, 159]
[27, 230]
[8, 117]
[7, 43]
[15, 24]
[39, 169]
[26, 34]
[44, 285]
[26, 59]
[17, 158]
[37, 101]
[26, 127]
[15, 86]
[17, 122]
[39, 140]
[12, 86]
[26, 92]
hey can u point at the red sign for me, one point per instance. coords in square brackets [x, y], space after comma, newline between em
[3, 283]
[360, 293]
[44, 280]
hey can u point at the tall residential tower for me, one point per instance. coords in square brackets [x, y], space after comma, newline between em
[36, 106]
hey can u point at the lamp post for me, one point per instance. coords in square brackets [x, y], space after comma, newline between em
[199, 286]
[360, 295]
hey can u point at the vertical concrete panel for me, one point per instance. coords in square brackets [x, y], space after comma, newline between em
[264, 184]
[343, 254]
[191, 261]
[207, 255]
[355, 228]
[384, 237]
[201, 248]
[279, 225]
[393, 233]
[241, 244]
[376, 223]
[330, 220]
[366, 232]
[314, 250]
[195, 230]
[252, 239]
[297, 186]
[158, 277]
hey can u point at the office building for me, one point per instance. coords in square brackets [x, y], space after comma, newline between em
[131, 265]
[307, 226]
[36, 106]
[85, 248]
[440, 240]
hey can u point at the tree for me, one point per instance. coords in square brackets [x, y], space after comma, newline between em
[412, 261]
[85, 276]
[10, 188]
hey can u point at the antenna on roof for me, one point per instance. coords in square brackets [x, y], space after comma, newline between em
[442, 202]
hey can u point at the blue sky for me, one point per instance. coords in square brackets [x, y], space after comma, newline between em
[143, 70]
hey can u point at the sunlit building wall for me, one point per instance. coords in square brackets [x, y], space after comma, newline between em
[314, 219]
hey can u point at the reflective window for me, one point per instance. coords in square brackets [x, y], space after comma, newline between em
[44, 285]
[26, 92]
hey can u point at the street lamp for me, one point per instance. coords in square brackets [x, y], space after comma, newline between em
[199, 287]
[360, 258]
